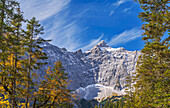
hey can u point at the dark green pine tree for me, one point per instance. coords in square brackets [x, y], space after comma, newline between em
[16, 73]
[153, 70]
[34, 55]
[9, 27]
[5, 17]
[129, 91]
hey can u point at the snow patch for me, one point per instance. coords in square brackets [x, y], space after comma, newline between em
[97, 91]
[110, 49]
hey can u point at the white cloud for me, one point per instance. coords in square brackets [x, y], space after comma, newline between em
[65, 33]
[55, 16]
[92, 43]
[111, 13]
[116, 5]
[127, 9]
[66, 30]
[126, 36]
[42, 9]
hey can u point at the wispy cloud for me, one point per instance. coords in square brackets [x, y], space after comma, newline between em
[111, 13]
[64, 29]
[65, 33]
[126, 36]
[127, 9]
[63, 22]
[116, 5]
[42, 9]
[92, 43]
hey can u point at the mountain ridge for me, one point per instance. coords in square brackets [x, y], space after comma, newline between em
[102, 65]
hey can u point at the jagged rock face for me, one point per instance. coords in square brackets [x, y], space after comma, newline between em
[110, 64]
[100, 65]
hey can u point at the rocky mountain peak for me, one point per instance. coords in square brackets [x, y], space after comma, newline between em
[101, 69]
[102, 43]
[79, 52]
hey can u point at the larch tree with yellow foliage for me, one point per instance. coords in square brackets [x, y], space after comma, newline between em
[10, 53]
[53, 90]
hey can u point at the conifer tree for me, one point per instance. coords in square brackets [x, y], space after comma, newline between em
[153, 70]
[129, 91]
[53, 90]
[34, 54]
[10, 26]
[14, 49]
[15, 70]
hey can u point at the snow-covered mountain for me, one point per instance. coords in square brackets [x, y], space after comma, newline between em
[101, 67]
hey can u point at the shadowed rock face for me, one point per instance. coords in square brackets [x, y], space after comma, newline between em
[75, 64]
[100, 65]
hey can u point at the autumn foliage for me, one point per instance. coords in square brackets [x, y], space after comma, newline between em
[21, 55]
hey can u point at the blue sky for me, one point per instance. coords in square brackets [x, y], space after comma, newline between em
[76, 24]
